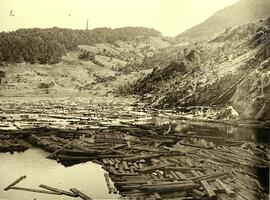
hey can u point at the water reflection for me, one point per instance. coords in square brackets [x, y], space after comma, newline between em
[87, 177]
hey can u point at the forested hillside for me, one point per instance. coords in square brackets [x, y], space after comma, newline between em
[48, 45]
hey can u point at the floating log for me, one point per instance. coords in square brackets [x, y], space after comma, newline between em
[175, 195]
[125, 174]
[174, 176]
[183, 169]
[152, 168]
[157, 196]
[15, 183]
[133, 193]
[227, 189]
[130, 187]
[58, 150]
[36, 190]
[147, 148]
[170, 187]
[198, 193]
[219, 188]
[17, 148]
[181, 176]
[109, 184]
[209, 191]
[79, 153]
[111, 162]
[134, 182]
[75, 158]
[208, 176]
[71, 194]
[196, 146]
[113, 156]
[121, 168]
[80, 194]
[194, 173]
[168, 182]
[159, 174]
[134, 158]
[132, 169]
[125, 165]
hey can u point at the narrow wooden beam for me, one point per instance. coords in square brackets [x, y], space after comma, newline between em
[58, 150]
[71, 194]
[36, 190]
[80, 194]
[14, 183]
[209, 191]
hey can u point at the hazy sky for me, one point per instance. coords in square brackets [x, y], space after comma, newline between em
[171, 17]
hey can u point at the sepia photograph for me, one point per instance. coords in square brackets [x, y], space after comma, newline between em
[134, 99]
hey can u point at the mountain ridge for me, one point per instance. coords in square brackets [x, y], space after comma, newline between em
[242, 12]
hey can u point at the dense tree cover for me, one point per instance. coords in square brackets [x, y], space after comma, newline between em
[48, 45]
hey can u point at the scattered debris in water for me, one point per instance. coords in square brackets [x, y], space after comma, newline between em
[142, 161]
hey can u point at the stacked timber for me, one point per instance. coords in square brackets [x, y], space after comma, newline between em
[11, 145]
[143, 162]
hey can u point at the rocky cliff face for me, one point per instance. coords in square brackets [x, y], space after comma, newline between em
[231, 69]
[252, 97]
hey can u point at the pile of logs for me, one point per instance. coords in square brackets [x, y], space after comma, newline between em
[11, 145]
[141, 162]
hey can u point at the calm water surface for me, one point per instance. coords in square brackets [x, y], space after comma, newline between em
[87, 177]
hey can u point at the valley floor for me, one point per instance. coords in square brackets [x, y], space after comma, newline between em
[146, 153]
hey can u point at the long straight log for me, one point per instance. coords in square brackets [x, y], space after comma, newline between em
[75, 158]
[79, 153]
[119, 183]
[183, 169]
[196, 146]
[152, 168]
[170, 187]
[166, 183]
[146, 148]
[209, 176]
[58, 150]
[130, 187]
[113, 156]
[14, 183]
[125, 174]
[36, 190]
[228, 191]
[141, 157]
[71, 194]
[80, 194]
[210, 193]
[133, 193]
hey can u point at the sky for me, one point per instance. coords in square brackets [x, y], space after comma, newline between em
[171, 17]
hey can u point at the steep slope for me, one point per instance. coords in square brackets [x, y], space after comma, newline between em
[256, 86]
[220, 72]
[96, 69]
[240, 13]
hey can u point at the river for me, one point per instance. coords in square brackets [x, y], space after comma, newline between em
[88, 114]
[86, 177]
